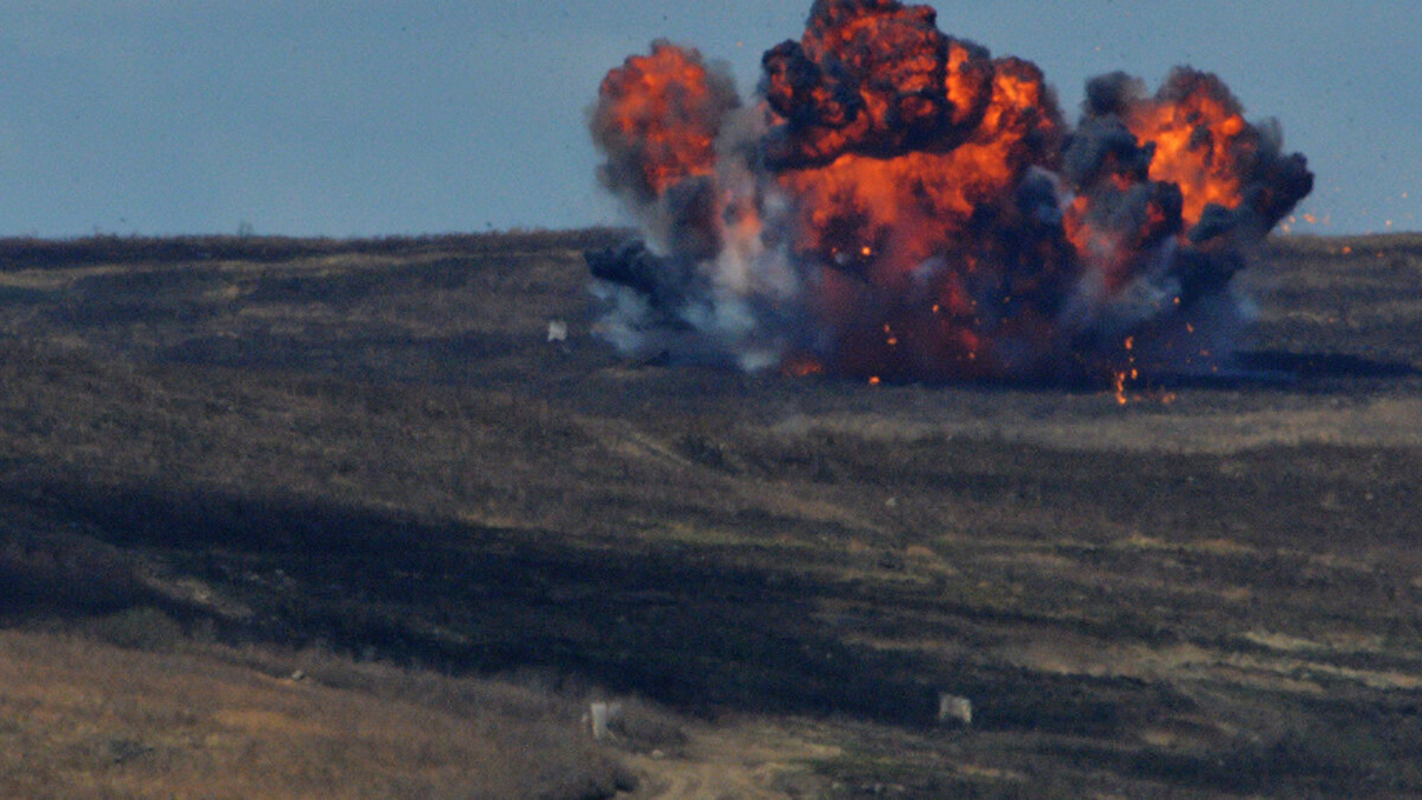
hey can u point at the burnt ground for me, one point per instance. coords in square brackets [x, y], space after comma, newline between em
[1213, 590]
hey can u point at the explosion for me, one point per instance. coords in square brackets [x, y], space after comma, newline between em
[897, 204]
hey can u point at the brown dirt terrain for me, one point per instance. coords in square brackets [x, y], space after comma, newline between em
[370, 450]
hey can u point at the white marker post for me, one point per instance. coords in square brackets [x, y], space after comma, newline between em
[953, 709]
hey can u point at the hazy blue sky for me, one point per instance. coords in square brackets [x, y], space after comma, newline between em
[368, 118]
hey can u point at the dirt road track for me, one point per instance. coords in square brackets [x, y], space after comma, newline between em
[742, 760]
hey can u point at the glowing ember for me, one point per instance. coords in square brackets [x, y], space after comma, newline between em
[897, 204]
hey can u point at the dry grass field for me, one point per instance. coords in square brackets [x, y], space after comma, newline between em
[224, 461]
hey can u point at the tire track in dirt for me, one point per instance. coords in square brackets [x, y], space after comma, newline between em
[750, 760]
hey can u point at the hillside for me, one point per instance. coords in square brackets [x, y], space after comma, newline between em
[223, 460]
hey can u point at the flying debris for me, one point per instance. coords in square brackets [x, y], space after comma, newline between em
[896, 203]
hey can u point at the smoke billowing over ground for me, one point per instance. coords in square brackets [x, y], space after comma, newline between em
[894, 203]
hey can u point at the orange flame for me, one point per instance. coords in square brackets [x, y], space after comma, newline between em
[1198, 141]
[938, 218]
[663, 108]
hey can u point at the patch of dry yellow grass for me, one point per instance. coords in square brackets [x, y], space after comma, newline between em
[82, 719]
[1384, 421]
